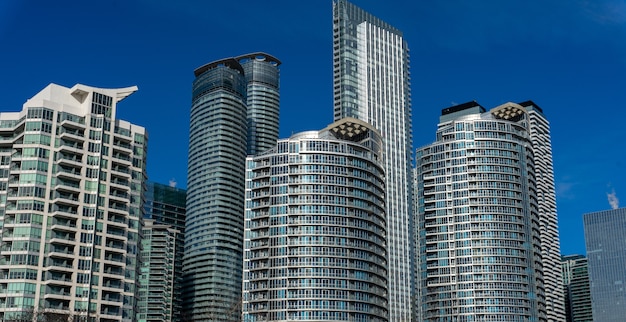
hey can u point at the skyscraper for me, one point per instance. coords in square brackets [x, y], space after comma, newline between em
[163, 247]
[605, 239]
[263, 98]
[371, 83]
[576, 289]
[479, 220]
[315, 238]
[218, 143]
[71, 187]
[548, 221]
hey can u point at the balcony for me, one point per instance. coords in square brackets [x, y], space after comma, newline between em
[70, 159]
[112, 283]
[61, 250]
[63, 225]
[72, 134]
[68, 185]
[60, 237]
[56, 276]
[115, 244]
[60, 262]
[120, 183]
[64, 211]
[57, 291]
[118, 220]
[71, 146]
[122, 157]
[113, 270]
[64, 171]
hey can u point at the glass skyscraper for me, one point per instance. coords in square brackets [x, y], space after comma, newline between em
[71, 195]
[371, 83]
[263, 97]
[227, 98]
[605, 239]
[315, 236]
[479, 220]
[576, 289]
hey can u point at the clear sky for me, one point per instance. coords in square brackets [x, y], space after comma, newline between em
[568, 56]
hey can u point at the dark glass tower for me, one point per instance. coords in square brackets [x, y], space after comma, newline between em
[235, 110]
[261, 72]
[215, 192]
[605, 239]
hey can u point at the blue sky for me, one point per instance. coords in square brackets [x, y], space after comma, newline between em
[569, 57]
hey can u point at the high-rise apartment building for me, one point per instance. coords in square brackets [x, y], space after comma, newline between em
[157, 299]
[605, 236]
[479, 218]
[546, 201]
[263, 98]
[315, 236]
[576, 289]
[371, 83]
[71, 195]
[228, 96]
[163, 247]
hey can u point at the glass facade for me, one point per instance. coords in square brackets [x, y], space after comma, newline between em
[235, 111]
[215, 192]
[315, 236]
[71, 195]
[479, 224]
[263, 100]
[605, 235]
[576, 289]
[161, 271]
[371, 83]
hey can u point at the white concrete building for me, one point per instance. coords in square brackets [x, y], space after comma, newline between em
[71, 192]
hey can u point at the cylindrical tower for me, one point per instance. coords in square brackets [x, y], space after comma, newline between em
[479, 243]
[263, 99]
[315, 228]
[215, 192]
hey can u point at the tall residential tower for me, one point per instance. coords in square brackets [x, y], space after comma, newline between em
[163, 246]
[479, 218]
[371, 83]
[315, 243]
[546, 201]
[234, 111]
[71, 194]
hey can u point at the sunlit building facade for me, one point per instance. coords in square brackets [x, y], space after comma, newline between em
[605, 236]
[315, 236]
[71, 195]
[371, 82]
[234, 112]
[541, 140]
[576, 289]
[479, 235]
